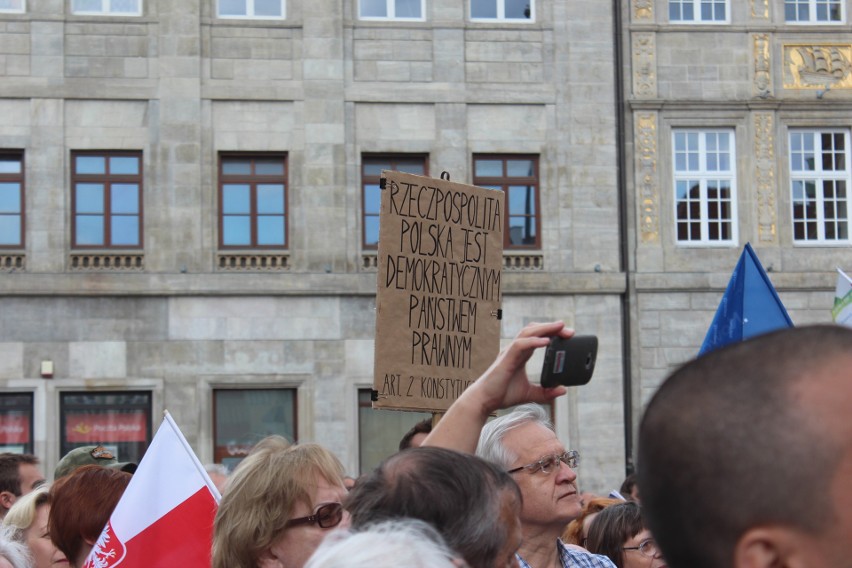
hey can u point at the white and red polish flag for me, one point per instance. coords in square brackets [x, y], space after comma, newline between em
[165, 516]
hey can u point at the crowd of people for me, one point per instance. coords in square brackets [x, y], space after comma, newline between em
[744, 459]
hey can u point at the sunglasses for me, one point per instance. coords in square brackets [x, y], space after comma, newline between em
[326, 516]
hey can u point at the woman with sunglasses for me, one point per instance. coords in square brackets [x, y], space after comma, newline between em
[619, 532]
[279, 506]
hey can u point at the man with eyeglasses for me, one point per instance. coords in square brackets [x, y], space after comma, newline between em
[525, 445]
[745, 454]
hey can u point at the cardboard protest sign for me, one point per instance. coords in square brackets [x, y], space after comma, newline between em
[439, 290]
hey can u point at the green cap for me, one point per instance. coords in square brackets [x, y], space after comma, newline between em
[90, 455]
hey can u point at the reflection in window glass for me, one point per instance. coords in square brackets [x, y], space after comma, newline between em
[371, 172]
[270, 198]
[243, 417]
[270, 230]
[517, 176]
[107, 199]
[120, 421]
[11, 200]
[374, 8]
[380, 431]
[820, 179]
[509, 10]
[125, 231]
[704, 185]
[16, 422]
[236, 230]
[124, 165]
[253, 201]
[125, 198]
[91, 165]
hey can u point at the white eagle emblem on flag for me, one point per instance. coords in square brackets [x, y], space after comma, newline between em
[107, 552]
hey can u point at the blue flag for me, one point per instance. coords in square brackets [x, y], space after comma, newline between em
[750, 306]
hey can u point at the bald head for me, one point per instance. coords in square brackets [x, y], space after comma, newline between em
[742, 438]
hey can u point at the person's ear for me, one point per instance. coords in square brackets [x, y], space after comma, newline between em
[7, 499]
[770, 547]
[268, 560]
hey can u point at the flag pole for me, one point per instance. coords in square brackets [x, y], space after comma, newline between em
[210, 485]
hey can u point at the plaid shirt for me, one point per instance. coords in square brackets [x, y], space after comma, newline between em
[573, 558]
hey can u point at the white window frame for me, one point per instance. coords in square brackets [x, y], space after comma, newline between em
[20, 10]
[696, 11]
[501, 13]
[391, 13]
[249, 15]
[818, 175]
[703, 175]
[812, 14]
[106, 10]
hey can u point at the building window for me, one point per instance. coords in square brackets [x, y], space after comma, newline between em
[503, 10]
[242, 417]
[106, 199]
[820, 178]
[517, 176]
[11, 199]
[813, 11]
[380, 431]
[13, 6]
[119, 421]
[252, 9]
[705, 186]
[16, 423]
[704, 11]
[253, 201]
[391, 9]
[107, 7]
[371, 174]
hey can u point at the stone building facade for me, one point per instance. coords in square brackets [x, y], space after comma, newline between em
[176, 93]
[739, 118]
[244, 318]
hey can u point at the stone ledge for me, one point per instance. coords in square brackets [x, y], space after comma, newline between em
[106, 262]
[253, 262]
[523, 262]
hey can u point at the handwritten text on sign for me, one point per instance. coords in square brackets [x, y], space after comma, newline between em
[439, 289]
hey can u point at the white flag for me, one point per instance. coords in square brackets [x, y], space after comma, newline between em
[842, 311]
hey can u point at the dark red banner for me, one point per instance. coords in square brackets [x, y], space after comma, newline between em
[103, 428]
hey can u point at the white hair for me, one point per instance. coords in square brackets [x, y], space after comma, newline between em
[491, 447]
[15, 552]
[389, 544]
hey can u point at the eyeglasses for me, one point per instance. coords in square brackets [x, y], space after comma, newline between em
[326, 516]
[647, 547]
[547, 463]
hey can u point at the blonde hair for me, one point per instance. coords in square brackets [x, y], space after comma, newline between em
[23, 512]
[261, 495]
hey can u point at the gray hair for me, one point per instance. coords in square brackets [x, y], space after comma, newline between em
[15, 552]
[490, 446]
[401, 542]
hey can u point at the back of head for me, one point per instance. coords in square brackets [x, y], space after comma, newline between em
[490, 446]
[613, 526]
[422, 427]
[81, 505]
[404, 542]
[459, 494]
[10, 478]
[262, 492]
[23, 512]
[724, 445]
[574, 532]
